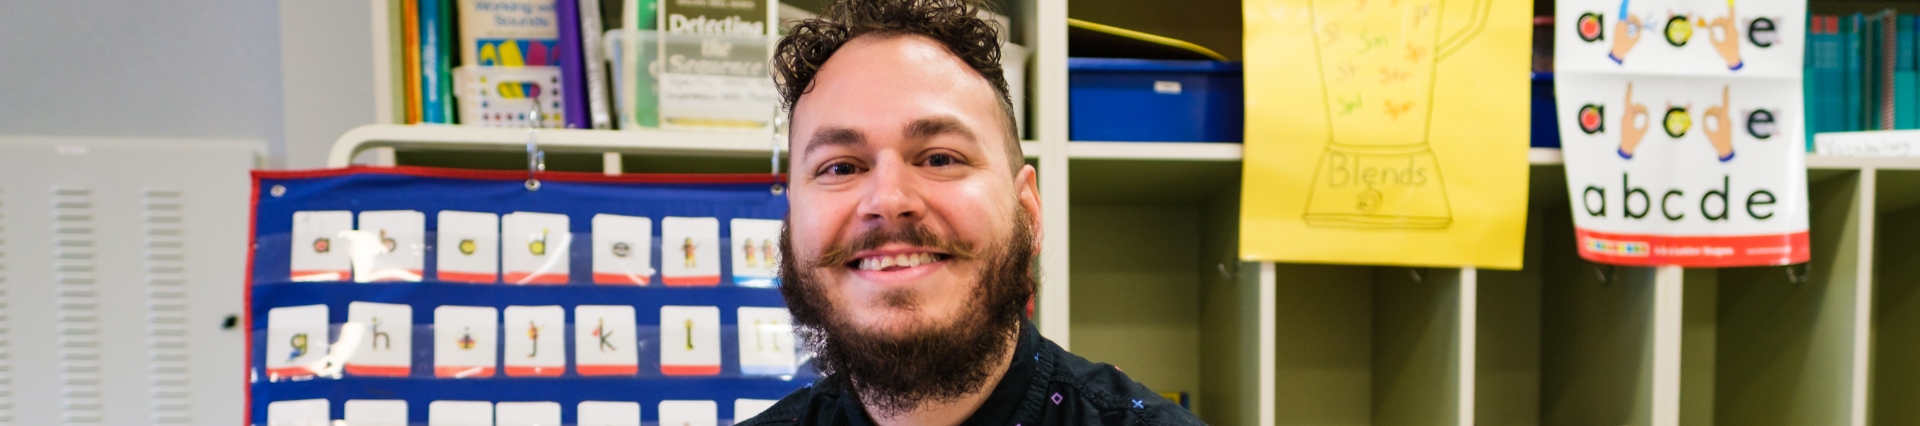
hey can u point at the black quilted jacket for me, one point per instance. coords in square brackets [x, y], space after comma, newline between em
[1045, 385]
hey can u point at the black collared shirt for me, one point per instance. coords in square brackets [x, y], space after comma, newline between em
[1044, 385]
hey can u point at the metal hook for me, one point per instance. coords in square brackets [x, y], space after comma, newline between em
[1227, 273]
[1805, 270]
[536, 159]
[1604, 272]
[778, 120]
[1419, 274]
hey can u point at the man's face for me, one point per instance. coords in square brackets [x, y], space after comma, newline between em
[900, 138]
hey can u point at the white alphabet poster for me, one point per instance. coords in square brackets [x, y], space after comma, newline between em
[1683, 130]
[390, 246]
[296, 340]
[526, 414]
[376, 412]
[317, 254]
[301, 412]
[469, 247]
[536, 341]
[609, 413]
[534, 247]
[622, 249]
[756, 252]
[690, 251]
[604, 343]
[766, 341]
[464, 339]
[689, 340]
[459, 413]
[689, 413]
[386, 347]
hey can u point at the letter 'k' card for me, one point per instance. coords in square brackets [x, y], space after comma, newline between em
[604, 343]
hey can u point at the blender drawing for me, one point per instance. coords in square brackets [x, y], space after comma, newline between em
[1378, 66]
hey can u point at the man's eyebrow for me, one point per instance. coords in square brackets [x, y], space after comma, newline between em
[834, 136]
[938, 125]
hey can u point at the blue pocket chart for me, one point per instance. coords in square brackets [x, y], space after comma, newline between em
[421, 296]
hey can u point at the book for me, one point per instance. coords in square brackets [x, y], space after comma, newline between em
[573, 76]
[640, 99]
[1885, 48]
[1850, 30]
[599, 112]
[410, 54]
[436, 58]
[509, 33]
[1904, 95]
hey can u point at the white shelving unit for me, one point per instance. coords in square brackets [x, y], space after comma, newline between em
[1140, 268]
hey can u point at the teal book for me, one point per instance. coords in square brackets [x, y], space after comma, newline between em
[436, 61]
[1851, 68]
[1904, 96]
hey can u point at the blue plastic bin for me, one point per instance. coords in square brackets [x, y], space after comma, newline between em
[1141, 100]
[1545, 133]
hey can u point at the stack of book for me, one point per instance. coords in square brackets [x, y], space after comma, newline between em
[1861, 73]
[542, 54]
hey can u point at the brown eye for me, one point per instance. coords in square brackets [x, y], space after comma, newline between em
[940, 160]
[839, 169]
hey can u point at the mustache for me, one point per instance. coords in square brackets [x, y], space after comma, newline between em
[914, 234]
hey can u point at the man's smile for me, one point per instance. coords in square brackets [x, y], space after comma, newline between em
[896, 264]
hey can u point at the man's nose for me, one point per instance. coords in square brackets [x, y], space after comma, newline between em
[893, 196]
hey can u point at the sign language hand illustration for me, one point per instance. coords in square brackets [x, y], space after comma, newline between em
[1626, 34]
[1719, 128]
[1633, 125]
[1725, 33]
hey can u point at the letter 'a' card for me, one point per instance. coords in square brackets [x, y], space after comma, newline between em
[319, 254]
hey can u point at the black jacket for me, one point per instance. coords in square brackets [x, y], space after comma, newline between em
[1044, 385]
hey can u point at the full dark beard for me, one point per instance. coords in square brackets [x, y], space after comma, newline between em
[931, 364]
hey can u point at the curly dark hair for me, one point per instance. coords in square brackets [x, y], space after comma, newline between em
[955, 24]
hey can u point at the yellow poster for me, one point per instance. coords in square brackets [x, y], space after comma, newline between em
[1386, 131]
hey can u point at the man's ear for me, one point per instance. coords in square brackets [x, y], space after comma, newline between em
[1028, 193]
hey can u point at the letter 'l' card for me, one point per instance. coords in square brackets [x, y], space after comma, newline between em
[604, 342]
[536, 341]
[318, 254]
[296, 340]
[469, 247]
[534, 248]
[690, 251]
[689, 413]
[464, 339]
[622, 249]
[689, 340]
[386, 345]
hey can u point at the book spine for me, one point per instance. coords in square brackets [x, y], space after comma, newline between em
[1903, 78]
[1885, 65]
[410, 53]
[1850, 32]
[573, 78]
[435, 74]
[1810, 78]
[599, 114]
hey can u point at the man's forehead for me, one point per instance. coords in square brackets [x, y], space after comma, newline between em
[888, 86]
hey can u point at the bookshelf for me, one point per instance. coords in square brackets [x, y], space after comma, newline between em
[1140, 269]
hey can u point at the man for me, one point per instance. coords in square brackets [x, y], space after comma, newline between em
[907, 256]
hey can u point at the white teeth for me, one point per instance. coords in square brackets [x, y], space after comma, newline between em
[901, 260]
